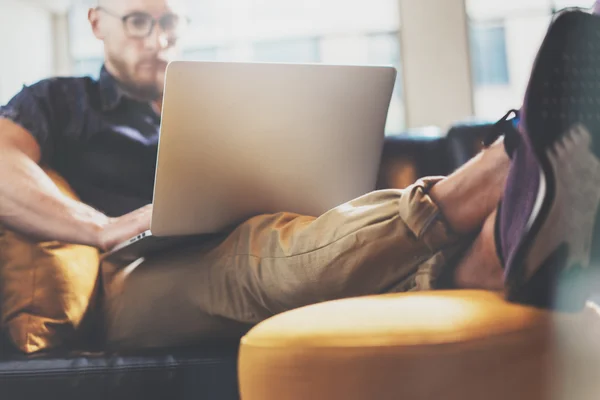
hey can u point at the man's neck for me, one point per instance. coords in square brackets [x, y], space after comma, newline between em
[133, 94]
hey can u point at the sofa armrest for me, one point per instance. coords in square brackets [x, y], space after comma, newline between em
[464, 141]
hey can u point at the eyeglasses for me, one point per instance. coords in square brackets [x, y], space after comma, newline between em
[141, 25]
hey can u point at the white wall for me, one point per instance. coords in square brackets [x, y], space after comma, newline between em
[435, 55]
[63, 62]
[26, 46]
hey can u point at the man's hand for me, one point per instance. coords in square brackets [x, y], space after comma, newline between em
[118, 230]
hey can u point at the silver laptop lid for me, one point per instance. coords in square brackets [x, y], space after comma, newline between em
[242, 139]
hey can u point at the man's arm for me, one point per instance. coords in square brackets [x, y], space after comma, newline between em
[32, 204]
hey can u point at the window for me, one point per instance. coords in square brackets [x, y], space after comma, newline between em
[88, 67]
[488, 54]
[505, 37]
[207, 54]
[307, 31]
[292, 51]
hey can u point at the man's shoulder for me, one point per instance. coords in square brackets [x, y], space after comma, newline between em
[58, 86]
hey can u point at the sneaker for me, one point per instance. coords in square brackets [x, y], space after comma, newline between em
[547, 229]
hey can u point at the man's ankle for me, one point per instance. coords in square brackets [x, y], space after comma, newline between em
[480, 268]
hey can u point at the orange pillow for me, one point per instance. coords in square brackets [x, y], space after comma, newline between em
[46, 288]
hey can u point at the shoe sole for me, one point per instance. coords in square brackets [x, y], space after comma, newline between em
[560, 254]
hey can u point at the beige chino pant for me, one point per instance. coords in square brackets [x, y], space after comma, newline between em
[384, 242]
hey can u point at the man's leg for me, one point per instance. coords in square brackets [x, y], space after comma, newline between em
[472, 193]
[386, 241]
[480, 267]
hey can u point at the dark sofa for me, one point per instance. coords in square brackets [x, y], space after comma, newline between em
[208, 370]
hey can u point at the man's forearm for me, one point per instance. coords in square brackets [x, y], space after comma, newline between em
[30, 203]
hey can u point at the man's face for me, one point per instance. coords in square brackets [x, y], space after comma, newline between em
[136, 59]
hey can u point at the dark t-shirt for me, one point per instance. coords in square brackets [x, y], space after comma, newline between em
[102, 142]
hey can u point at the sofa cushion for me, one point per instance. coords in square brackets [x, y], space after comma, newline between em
[46, 289]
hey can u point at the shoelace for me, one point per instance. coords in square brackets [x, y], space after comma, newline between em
[504, 127]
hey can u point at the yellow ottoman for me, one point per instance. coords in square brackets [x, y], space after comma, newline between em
[463, 345]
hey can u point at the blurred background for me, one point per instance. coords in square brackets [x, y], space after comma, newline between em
[457, 59]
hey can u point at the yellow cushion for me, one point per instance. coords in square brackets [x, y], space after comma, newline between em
[45, 288]
[435, 345]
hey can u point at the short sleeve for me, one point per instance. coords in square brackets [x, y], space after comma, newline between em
[31, 109]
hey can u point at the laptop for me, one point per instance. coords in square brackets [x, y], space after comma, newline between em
[243, 139]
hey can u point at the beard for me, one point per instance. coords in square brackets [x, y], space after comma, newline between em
[132, 84]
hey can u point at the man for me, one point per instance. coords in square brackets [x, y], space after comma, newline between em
[102, 137]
